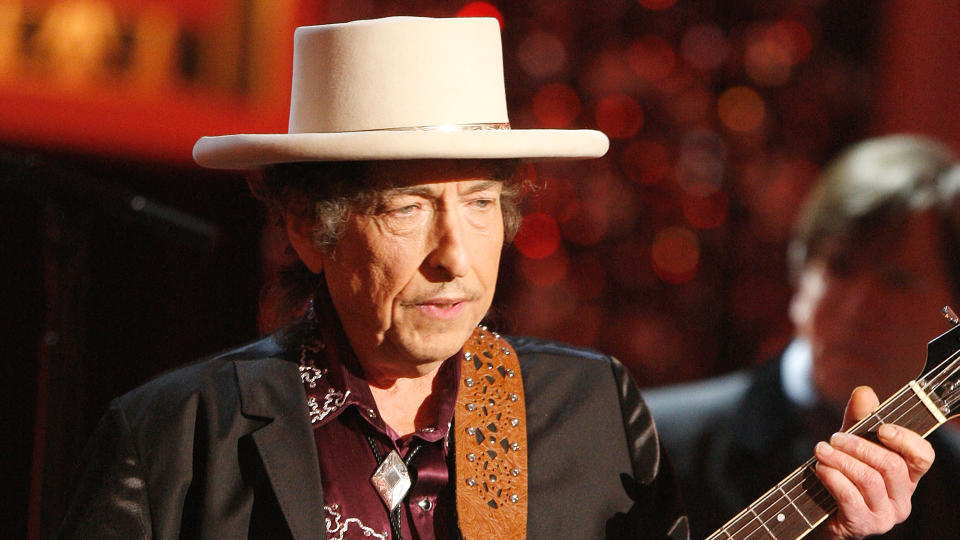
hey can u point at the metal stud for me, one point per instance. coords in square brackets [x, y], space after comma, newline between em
[468, 382]
[514, 446]
[514, 397]
[515, 472]
[471, 430]
[510, 373]
[471, 457]
[371, 413]
[514, 498]
[471, 407]
[471, 482]
[514, 422]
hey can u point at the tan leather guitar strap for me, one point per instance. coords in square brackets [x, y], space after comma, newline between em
[491, 441]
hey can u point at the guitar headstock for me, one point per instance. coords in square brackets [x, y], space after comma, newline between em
[941, 373]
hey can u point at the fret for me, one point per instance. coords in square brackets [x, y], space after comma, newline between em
[799, 503]
[794, 505]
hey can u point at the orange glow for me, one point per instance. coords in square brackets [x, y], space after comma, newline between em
[619, 116]
[675, 254]
[556, 106]
[481, 9]
[538, 237]
[651, 57]
[741, 109]
[657, 5]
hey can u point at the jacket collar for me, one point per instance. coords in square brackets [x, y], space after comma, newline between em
[270, 389]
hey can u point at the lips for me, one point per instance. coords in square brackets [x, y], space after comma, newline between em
[442, 308]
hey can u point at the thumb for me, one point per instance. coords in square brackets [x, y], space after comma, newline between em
[863, 401]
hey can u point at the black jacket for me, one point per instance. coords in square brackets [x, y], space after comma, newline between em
[223, 449]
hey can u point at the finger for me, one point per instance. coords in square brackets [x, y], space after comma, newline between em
[916, 451]
[857, 475]
[863, 401]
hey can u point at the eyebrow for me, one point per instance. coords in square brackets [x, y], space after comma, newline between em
[424, 191]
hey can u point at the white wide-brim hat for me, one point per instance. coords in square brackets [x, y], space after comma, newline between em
[398, 88]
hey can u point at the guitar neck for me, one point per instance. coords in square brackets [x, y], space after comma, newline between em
[799, 503]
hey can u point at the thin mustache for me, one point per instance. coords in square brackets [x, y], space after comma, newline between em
[443, 293]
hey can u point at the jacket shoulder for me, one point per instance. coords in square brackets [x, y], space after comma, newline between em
[212, 376]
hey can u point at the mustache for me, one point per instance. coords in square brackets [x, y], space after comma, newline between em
[445, 291]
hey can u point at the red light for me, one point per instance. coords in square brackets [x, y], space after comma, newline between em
[675, 254]
[646, 162]
[651, 57]
[619, 116]
[481, 9]
[556, 106]
[706, 212]
[538, 237]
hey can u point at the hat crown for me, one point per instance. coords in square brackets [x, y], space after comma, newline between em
[397, 73]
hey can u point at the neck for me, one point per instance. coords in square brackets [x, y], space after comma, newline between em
[405, 403]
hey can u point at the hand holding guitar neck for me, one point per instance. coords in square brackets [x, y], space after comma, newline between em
[861, 482]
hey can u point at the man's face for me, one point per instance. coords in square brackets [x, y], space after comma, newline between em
[869, 311]
[411, 277]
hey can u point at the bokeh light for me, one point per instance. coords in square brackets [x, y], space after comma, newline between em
[619, 116]
[675, 254]
[547, 271]
[702, 161]
[768, 60]
[556, 106]
[651, 57]
[481, 9]
[646, 162]
[704, 46]
[538, 237]
[706, 212]
[542, 54]
[741, 109]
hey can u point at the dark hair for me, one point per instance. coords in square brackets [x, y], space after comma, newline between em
[877, 184]
[327, 192]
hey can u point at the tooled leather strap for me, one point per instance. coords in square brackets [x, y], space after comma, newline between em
[491, 441]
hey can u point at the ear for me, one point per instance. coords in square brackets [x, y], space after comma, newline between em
[300, 232]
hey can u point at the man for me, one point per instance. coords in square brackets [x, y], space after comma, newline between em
[385, 411]
[875, 255]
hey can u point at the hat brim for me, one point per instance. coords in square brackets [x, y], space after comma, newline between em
[248, 151]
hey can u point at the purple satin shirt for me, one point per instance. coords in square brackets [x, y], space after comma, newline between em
[343, 412]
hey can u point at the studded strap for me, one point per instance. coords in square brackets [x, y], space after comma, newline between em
[491, 441]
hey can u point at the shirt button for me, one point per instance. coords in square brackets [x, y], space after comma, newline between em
[425, 504]
[371, 413]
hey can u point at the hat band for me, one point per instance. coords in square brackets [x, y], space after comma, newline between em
[451, 127]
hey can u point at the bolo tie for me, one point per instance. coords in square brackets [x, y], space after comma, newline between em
[392, 480]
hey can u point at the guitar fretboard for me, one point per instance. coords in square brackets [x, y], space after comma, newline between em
[800, 502]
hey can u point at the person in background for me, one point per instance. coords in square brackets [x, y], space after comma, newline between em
[875, 257]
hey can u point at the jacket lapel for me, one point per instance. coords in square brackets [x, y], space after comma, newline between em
[271, 389]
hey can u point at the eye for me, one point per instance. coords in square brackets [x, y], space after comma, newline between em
[407, 210]
[483, 203]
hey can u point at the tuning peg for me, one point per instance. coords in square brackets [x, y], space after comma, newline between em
[948, 313]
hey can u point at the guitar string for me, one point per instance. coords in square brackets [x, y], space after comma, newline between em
[786, 494]
[935, 382]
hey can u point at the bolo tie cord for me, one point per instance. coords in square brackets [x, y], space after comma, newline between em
[378, 456]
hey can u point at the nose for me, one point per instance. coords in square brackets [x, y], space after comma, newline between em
[449, 255]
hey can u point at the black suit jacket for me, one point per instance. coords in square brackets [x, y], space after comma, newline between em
[224, 449]
[734, 437]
